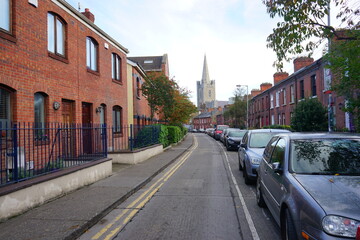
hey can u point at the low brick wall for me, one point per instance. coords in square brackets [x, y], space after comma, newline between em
[20, 197]
[137, 156]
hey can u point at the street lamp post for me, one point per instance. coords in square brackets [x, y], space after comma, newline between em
[247, 104]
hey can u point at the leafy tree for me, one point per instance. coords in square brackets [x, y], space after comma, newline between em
[309, 115]
[304, 27]
[165, 96]
[236, 113]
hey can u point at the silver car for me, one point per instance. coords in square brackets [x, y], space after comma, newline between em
[311, 185]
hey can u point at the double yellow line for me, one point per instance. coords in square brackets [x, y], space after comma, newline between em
[134, 207]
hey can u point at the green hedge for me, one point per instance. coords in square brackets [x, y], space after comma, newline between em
[175, 134]
[276, 126]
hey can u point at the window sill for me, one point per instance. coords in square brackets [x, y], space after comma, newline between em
[93, 72]
[57, 57]
[117, 82]
[8, 36]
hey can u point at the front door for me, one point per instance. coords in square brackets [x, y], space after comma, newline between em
[68, 135]
[87, 127]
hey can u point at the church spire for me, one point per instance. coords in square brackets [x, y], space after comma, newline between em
[205, 76]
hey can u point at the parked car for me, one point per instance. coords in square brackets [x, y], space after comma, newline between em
[224, 132]
[233, 139]
[218, 130]
[311, 185]
[209, 130]
[251, 149]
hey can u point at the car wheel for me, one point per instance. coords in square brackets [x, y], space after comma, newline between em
[246, 177]
[240, 167]
[288, 231]
[227, 147]
[259, 197]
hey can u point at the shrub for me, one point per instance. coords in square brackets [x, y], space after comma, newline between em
[175, 134]
[147, 136]
[277, 126]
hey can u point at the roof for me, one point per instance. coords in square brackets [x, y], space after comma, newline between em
[204, 115]
[150, 63]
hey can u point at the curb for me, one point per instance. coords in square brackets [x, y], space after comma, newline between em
[77, 233]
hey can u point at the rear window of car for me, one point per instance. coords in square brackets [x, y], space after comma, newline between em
[329, 156]
[221, 127]
[236, 133]
[260, 139]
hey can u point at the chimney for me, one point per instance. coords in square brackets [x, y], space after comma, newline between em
[279, 76]
[265, 86]
[302, 62]
[89, 15]
[255, 92]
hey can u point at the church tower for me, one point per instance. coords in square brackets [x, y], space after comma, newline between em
[206, 89]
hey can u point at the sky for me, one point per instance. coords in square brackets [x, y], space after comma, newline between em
[231, 33]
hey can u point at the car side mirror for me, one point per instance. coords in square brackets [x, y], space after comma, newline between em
[277, 167]
[243, 145]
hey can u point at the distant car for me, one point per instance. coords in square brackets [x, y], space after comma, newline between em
[209, 130]
[233, 139]
[251, 149]
[224, 133]
[218, 130]
[311, 185]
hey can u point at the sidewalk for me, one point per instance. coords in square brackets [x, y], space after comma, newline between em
[69, 216]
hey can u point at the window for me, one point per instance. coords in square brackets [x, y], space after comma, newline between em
[117, 110]
[272, 119]
[271, 101]
[56, 35]
[39, 114]
[284, 96]
[313, 85]
[292, 94]
[138, 87]
[302, 93]
[278, 154]
[102, 114]
[5, 15]
[116, 67]
[91, 54]
[5, 114]
[283, 118]
[279, 119]
[277, 98]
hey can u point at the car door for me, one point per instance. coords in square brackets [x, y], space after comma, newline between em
[274, 176]
[242, 150]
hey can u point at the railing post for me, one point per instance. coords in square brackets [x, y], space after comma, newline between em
[131, 138]
[105, 149]
[15, 154]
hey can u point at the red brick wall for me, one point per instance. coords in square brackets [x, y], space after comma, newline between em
[27, 68]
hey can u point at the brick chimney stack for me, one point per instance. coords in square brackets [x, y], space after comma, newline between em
[302, 62]
[265, 86]
[255, 92]
[279, 76]
[89, 15]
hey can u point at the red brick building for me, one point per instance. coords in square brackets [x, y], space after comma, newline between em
[275, 104]
[58, 66]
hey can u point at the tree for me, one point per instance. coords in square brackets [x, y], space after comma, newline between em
[309, 115]
[304, 28]
[236, 113]
[165, 96]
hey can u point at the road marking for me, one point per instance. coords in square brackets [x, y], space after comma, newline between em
[134, 207]
[249, 220]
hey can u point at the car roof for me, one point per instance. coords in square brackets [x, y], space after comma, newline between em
[320, 135]
[269, 130]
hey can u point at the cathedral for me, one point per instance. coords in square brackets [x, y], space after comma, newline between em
[206, 90]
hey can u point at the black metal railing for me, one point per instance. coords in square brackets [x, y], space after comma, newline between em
[27, 151]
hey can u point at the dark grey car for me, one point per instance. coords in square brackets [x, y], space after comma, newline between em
[311, 185]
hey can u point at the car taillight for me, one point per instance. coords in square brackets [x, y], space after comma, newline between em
[218, 131]
[358, 233]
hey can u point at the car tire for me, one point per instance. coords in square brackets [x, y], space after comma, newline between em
[227, 147]
[288, 231]
[259, 197]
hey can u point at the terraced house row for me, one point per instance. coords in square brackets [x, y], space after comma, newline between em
[57, 68]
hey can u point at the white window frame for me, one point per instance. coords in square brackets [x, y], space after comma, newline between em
[271, 101]
[5, 16]
[56, 35]
[91, 54]
[277, 100]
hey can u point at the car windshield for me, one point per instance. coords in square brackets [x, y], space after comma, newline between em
[260, 139]
[326, 157]
[220, 128]
[236, 134]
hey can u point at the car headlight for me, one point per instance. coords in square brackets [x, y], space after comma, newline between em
[340, 226]
[255, 160]
[230, 141]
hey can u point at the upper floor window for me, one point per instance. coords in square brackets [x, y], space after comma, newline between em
[277, 98]
[116, 67]
[302, 90]
[56, 35]
[284, 96]
[5, 15]
[313, 85]
[271, 100]
[138, 87]
[292, 94]
[91, 54]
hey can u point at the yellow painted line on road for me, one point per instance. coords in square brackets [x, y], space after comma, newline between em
[146, 196]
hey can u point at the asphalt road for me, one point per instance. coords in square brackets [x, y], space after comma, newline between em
[201, 196]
